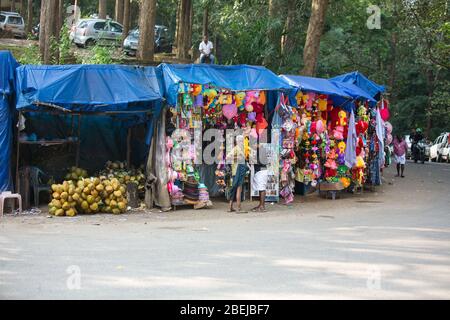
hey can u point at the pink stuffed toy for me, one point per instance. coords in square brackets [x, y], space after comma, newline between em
[338, 133]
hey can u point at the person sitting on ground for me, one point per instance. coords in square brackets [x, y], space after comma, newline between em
[259, 181]
[206, 48]
[400, 148]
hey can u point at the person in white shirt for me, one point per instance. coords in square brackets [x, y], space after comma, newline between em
[205, 49]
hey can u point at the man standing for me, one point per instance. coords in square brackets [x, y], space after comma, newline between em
[259, 182]
[400, 148]
[206, 48]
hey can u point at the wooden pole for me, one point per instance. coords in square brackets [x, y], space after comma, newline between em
[129, 147]
[17, 156]
[77, 160]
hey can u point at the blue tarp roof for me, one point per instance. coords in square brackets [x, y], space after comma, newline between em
[354, 91]
[362, 82]
[236, 78]
[88, 88]
[318, 85]
[7, 66]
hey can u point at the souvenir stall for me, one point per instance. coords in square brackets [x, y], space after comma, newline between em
[324, 116]
[378, 134]
[203, 97]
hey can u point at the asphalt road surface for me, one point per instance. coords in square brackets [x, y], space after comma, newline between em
[391, 243]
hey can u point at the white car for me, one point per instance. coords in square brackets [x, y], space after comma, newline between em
[445, 152]
[436, 148]
[12, 22]
[91, 31]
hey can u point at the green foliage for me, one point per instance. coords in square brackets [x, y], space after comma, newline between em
[101, 55]
[65, 53]
[30, 55]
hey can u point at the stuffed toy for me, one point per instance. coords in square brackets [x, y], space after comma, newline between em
[338, 133]
[257, 107]
[323, 103]
[229, 111]
[225, 99]
[239, 99]
[361, 127]
[345, 182]
[359, 146]
[248, 108]
[299, 98]
[196, 89]
[262, 98]
[342, 118]
[320, 128]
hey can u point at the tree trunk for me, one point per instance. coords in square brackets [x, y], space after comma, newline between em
[126, 19]
[22, 8]
[392, 69]
[184, 35]
[313, 35]
[147, 18]
[288, 41]
[119, 12]
[102, 9]
[205, 20]
[13, 5]
[29, 15]
[177, 26]
[274, 32]
[47, 29]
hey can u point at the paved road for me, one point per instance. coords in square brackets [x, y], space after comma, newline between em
[391, 243]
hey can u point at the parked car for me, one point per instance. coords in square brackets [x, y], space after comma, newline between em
[445, 152]
[12, 22]
[162, 41]
[96, 31]
[436, 148]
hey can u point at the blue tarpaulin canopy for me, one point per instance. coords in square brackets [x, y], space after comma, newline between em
[7, 67]
[362, 82]
[354, 91]
[318, 85]
[87, 88]
[235, 78]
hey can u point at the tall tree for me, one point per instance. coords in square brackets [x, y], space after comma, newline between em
[47, 30]
[205, 21]
[126, 19]
[22, 7]
[274, 31]
[288, 39]
[102, 9]
[29, 15]
[313, 35]
[184, 29]
[147, 15]
[13, 5]
[177, 24]
[119, 11]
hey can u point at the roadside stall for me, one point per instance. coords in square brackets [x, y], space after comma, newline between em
[379, 133]
[325, 136]
[88, 127]
[223, 98]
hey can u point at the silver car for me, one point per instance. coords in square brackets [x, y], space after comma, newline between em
[12, 22]
[88, 32]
